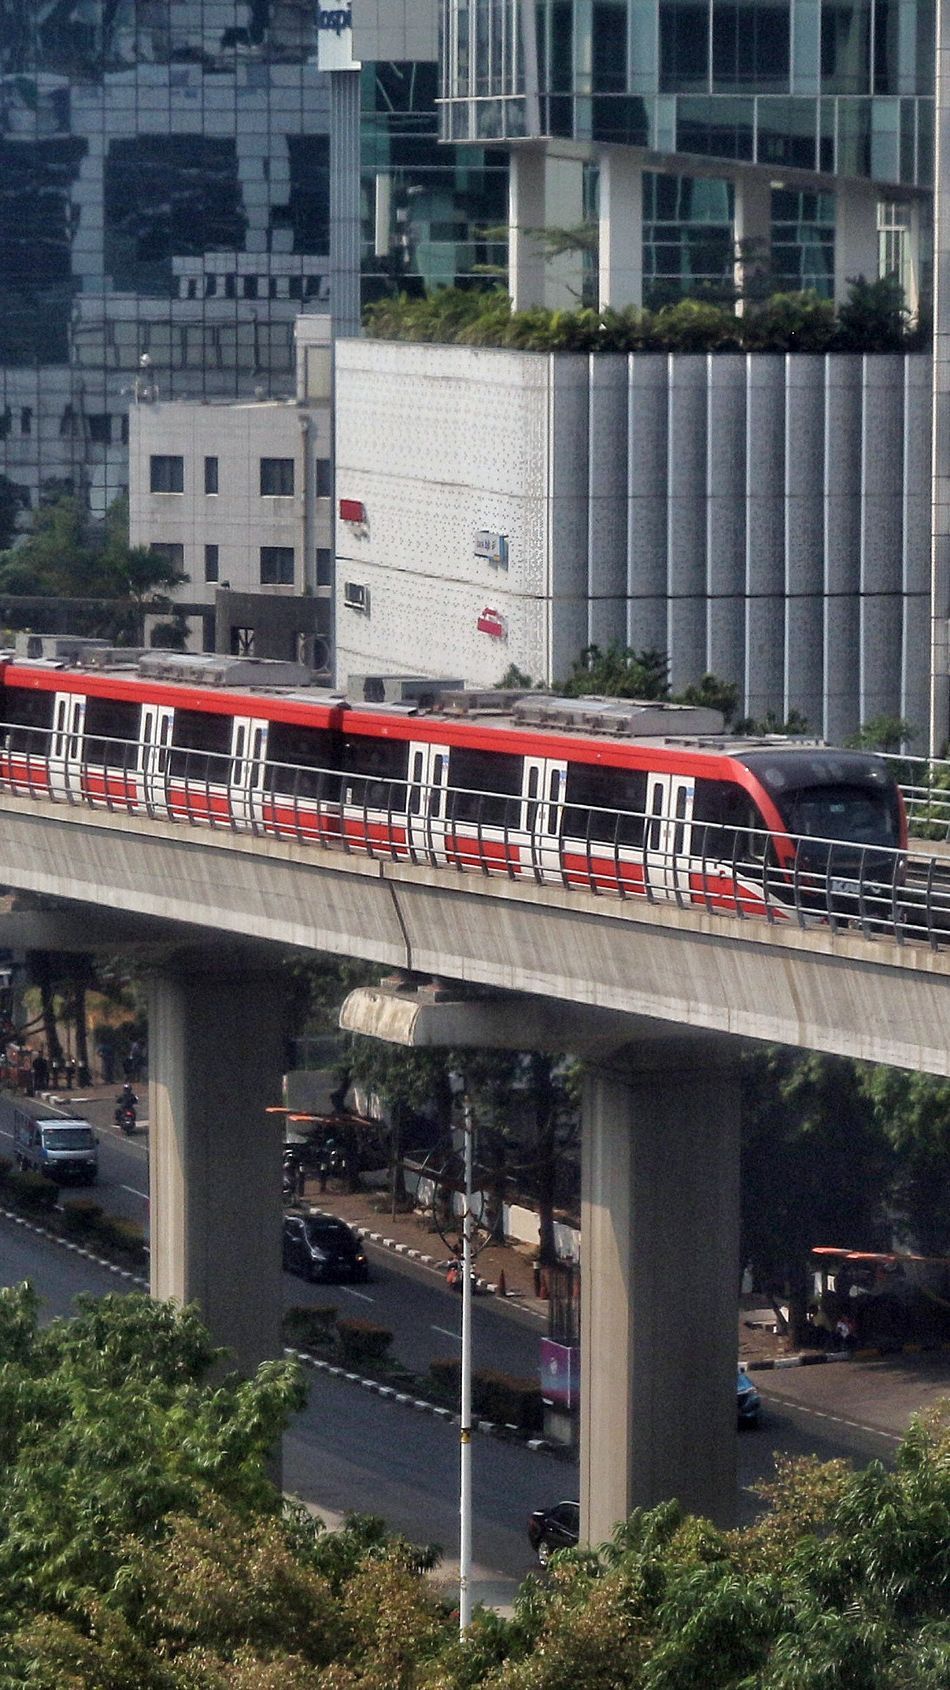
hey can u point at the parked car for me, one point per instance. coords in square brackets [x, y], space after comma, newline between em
[322, 1247]
[554, 1528]
[749, 1401]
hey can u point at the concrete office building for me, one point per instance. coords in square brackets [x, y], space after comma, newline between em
[764, 518]
[238, 496]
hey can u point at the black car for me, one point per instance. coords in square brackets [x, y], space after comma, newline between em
[322, 1247]
[554, 1528]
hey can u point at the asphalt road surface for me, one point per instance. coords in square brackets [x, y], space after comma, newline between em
[351, 1450]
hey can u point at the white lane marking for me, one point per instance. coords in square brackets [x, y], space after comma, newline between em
[361, 1294]
[134, 1192]
[447, 1334]
[838, 1420]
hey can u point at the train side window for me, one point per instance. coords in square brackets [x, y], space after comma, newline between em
[415, 775]
[28, 716]
[656, 816]
[375, 772]
[24, 706]
[303, 761]
[679, 832]
[201, 745]
[604, 804]
[437, 789]
[110, 726]
[484, 786]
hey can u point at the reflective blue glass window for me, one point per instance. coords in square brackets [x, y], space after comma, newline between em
[750, 44]
[787, 132]
[684, 45]
[722, 128]
[846, 46]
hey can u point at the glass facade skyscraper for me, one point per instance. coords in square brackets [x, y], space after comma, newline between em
[164, 213]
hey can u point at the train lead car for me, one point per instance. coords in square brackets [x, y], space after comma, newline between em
[612, 795]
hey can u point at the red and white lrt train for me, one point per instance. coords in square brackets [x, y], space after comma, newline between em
[605, 794]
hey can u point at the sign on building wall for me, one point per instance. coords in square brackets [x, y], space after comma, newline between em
[491, 622]
[492, 547]
[335, 38]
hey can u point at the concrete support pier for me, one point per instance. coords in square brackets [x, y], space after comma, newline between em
[214, 1154]
[659, 1287]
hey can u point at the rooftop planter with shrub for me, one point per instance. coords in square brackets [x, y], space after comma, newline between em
[872, 319]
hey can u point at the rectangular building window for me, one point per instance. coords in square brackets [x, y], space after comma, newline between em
[277, 566]
[277, 477]
[211, 475]
[324, 478]
[166, 475]
[324, 566]
[211, 562]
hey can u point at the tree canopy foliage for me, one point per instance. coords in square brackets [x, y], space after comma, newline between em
[69, 555]
[872, 319]
[142, 1547]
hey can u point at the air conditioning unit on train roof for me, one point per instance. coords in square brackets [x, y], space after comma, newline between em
[217, 669]
[634, 718]
[398, 689]
[58, 648]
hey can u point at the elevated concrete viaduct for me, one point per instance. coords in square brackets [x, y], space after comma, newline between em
[659, 997]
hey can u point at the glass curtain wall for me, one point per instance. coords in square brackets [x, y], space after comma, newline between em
[840, 86]
[431, 216]
[163, 208]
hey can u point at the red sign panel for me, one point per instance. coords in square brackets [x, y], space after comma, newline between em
[492, 623]
[352, 510]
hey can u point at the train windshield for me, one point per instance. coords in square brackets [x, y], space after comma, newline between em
[850, 813]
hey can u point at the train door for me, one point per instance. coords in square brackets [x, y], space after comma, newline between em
[426, 800]
[668, 833]
[248, 767]
[542, 813]
[65, 746]
[156, 737]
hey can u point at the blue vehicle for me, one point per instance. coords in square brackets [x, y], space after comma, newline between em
[748, 1400]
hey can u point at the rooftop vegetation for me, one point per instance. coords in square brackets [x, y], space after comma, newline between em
[872, 319]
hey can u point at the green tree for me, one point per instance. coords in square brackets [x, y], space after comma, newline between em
[912, 1111]
[142, 1545]
[618, 672]
[713, 694]
[70, 556]
[816, 1165]
[11, 503]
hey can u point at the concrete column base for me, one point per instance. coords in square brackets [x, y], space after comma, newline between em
[659, 1285]
[214, 1155]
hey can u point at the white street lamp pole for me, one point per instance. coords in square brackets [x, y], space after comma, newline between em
[465, 1432]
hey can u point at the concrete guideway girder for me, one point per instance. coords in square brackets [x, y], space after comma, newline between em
[659, 1236]
[837, 992]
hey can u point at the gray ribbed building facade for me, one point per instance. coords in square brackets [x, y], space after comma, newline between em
[765, 518]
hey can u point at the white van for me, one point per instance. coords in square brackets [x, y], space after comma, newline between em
[63, 1148]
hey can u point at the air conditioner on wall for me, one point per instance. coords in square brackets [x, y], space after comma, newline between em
[356, 596]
